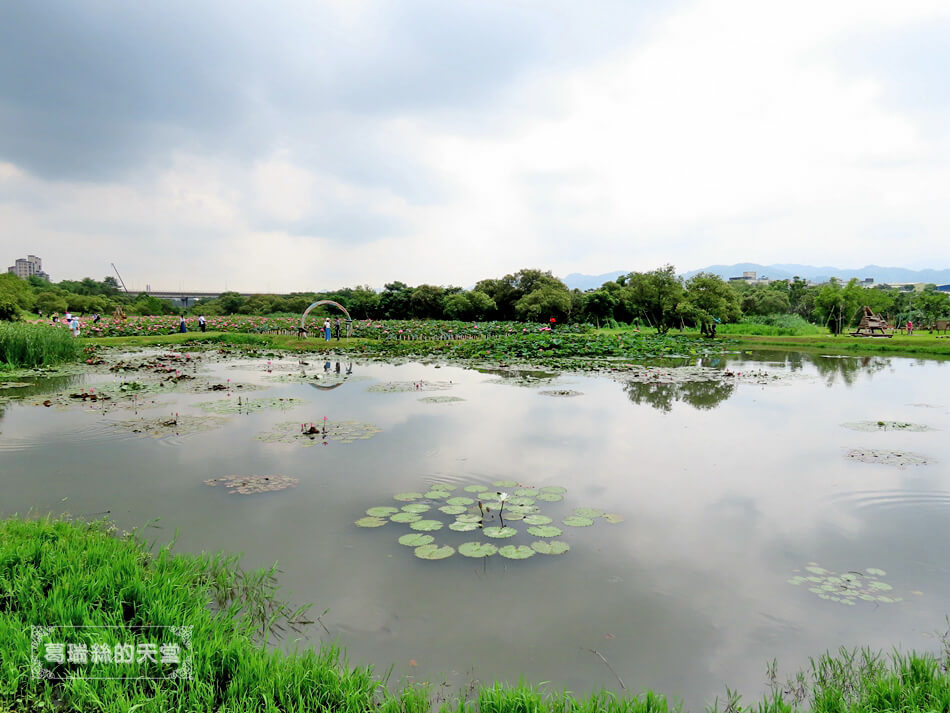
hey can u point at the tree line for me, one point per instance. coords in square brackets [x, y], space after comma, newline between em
[658, 299]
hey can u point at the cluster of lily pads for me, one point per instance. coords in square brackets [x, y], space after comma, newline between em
[312, 433]
[874, 426]
[488, 513]
[390, 387]
[561, 392]
[173, 424]
[243, 404]
[899, 459]
[848, 587]
[441, 399]
[253, 484]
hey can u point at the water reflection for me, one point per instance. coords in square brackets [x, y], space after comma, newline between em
[702, 395]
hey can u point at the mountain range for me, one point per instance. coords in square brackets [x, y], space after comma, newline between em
[784, 272]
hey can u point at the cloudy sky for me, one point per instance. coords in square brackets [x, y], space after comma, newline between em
[298, 144]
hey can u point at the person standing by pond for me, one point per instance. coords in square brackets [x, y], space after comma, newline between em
[910, 328]
[326, 329]
[552, 323]
[202, 323]
[336, 328]
[181, 325]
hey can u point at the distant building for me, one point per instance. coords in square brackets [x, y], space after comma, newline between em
[749, 277]
[27, 267]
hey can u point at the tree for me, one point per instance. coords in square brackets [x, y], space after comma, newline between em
[709, 300]
[426, 302]
[543, 303]
[932, 305]
[50, 303]
[837, 307]
[599, 305]
[363, 302]
[654, 296]
[230, 302]
[394, 300]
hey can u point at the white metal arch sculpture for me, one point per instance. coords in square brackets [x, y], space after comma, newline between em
[318, 303]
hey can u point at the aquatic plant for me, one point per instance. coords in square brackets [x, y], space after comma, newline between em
[440, 399]
[898, 459]
[242, 404]
[37, 345]
[848, 587]
[485, 511]
[173, 424]
[561, 392]
[323, 431]
[253, 484]
[873, 426]
[392, 387]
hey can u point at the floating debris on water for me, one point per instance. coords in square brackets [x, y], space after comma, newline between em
[14, 384]
[253, 484]
[174, 424]
[561, 392]
[440, 399]
[848, 587]
[898, 459]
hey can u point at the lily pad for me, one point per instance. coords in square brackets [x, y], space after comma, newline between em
[477, 549]
[531, 492]
[899, 459]
[435, 494]
[407, 497]
[459, 526]
[415, 539]
[550, 497]
[875, 572]
[426, 525]
[537, 520]
[545, 531]
[370, 522]
[317, 432]
[555, 547]
[505, 483]
[613, 518]
[459, 500]
[521, 500]
[453, 509]
[516, 552]
[846, 588]
[416, 508]
[561, 392]
[578, 521]
[469, 518]
[440, 399]
[588, 512]
[381, 511]
[874, 426]
[500, 532]
[243, 404]
[253, 484]
[474, 488]
[434, 552]
[392, 387]
[406, 517]
[556, 489]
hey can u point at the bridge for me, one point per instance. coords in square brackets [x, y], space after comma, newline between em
[186, 298]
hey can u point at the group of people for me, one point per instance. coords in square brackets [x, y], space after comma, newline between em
[327, 331]
[72, 321]
[202, 324]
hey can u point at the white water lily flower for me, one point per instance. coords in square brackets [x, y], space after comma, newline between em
[503, 496]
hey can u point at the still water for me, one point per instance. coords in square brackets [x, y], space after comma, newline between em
[726, 492]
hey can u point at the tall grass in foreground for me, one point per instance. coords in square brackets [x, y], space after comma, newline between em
[54, 572]
[31, 345]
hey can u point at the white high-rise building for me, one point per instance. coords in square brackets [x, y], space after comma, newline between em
[28, 266]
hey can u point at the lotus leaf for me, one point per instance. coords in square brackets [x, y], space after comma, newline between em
[453, 509]
[435, 494]
[555, 547]
[531, 492]
[463, 526]
[253, 484]
[613, 518]
[475, 488]
[382, 511]
[370, 522]
[516, 552]
[414, 539]
[477, 549]
[588, 512]
[469, 518]
[874, 572]
[545, 531]
[845, 588]
[426, 525]
[406, 497]
[520, 500]
[578, 521]
[555, 489]
[416, 508]
[460, 501]
[440, 399]
[505, 483]
[500, 532]
[550, 497]
[406, 517]
[537, 520]
[434, 552]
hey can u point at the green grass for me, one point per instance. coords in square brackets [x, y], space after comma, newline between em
[55, 572]
[786, 325]
[34, 345]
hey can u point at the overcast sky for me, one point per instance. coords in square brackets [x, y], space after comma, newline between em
[303, 145]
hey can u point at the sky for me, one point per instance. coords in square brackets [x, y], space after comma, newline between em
[308, 145]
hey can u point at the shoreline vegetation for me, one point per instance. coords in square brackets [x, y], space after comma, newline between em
[57, 572]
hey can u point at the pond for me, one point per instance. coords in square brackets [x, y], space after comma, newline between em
[743, 521]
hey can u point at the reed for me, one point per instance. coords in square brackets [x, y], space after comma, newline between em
[33, 345]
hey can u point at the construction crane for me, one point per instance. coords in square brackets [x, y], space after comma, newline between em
[121, 281]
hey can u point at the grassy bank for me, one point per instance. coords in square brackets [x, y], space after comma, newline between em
[35, 345]
[61, 573]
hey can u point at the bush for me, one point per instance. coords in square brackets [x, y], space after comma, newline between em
[9, 311]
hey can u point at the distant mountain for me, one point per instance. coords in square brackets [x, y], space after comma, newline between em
[823, 274]
[785, 272]
[590, 282]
